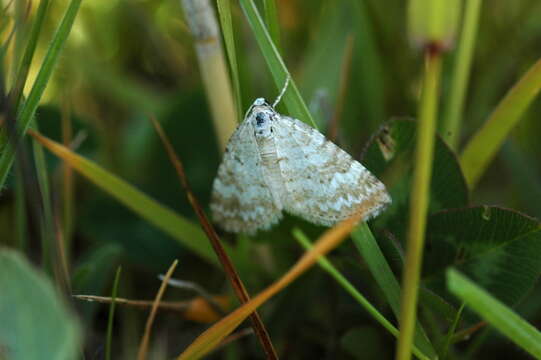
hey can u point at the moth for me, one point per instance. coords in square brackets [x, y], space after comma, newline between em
[275, 163]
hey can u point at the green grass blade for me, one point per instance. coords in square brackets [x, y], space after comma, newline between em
[496, 313]
[224, 12]
[47, 222]
[292, 98]
[26, 114]
[450, 130]
[271, 20]
[380, 269]
[181, 229]
[328, 266]
[24, 67]
[109, 338]
[483, 146]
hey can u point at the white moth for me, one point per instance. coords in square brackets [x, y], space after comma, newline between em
[274, 163]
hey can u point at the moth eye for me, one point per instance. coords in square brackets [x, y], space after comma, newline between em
[259, 119]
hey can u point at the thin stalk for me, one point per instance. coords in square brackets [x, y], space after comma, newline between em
[424, 153]
[109, 339]
[49, 255]
[67, 182]
[213, 69]
[143, 346]
[452, 120]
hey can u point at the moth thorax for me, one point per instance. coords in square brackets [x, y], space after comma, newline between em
[262, 122]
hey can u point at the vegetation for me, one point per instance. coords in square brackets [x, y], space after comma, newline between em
[113, 119]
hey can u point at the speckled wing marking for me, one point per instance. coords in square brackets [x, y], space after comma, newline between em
[324, 184]
[241, 200]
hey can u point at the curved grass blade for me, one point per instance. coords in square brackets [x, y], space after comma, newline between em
[26, 114]
[212, 337]
[292, 98]
[187, 233]
[496, 313]
[143, 347]
[483, 146]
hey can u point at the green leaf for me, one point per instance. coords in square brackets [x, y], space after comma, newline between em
[389, 157]
[292, 98]
[35, 323]
[495, 313]
[498, 248]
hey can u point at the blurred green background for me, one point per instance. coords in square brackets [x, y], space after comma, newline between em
[128, 60]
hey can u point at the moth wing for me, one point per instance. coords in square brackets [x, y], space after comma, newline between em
[241, 200]
[324, 184]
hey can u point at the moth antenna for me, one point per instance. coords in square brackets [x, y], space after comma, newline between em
[282, 92]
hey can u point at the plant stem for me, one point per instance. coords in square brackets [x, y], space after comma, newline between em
[108, 342]
[204, 27]
[419, 201]
[452, 120]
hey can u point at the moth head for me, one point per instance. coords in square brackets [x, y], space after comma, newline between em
[262, 116]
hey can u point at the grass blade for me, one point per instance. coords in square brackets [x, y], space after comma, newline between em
[212, 337]
[482, 147]
[292, 98]
[22, 74]
[49, 257]
[26, 114]
[271, 20]
[109, 338]
[382, 273]
[496, 313]
[181, 229]
[204, 27]
[327, 266]
[143, 348]
[451, 122]
[224, 11]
